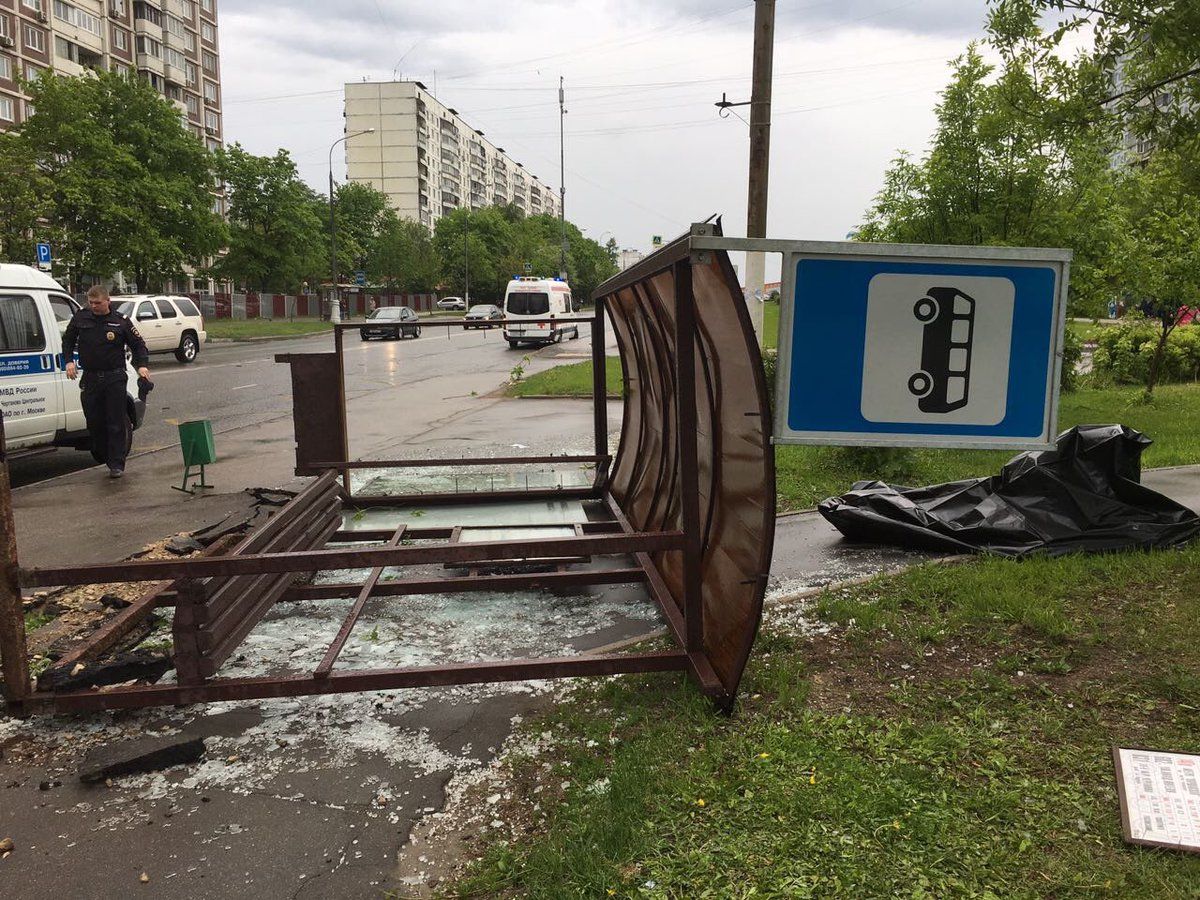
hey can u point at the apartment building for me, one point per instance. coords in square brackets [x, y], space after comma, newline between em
[428, 160]
[171, 43]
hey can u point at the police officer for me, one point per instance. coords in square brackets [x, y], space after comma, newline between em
[102, 334]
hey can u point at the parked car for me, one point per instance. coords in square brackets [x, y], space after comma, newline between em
[395, 322]
[451, 303]
[169, 324]
[41, 405]
[484, 315]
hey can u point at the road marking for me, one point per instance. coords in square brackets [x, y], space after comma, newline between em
[242, 387]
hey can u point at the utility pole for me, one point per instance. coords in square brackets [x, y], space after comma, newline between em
[467, 257]
[335, 306]
[562, 178]
[760, 151]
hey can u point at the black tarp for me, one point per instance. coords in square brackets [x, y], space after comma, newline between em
[1084, 496]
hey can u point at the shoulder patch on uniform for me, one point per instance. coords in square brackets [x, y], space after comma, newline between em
[133, 330]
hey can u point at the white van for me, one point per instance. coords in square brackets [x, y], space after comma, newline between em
[41, 405]
[537, 298]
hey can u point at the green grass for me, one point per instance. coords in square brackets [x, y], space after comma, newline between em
[250, 329]
[951, 738]
[807, 475]
[35, 619]
[771, 325]
[574, 380]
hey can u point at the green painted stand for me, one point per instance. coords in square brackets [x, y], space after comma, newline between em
[196, 442]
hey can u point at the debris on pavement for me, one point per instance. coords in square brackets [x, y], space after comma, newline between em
[138, 756]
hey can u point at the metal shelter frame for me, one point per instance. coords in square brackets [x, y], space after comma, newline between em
[688, 502]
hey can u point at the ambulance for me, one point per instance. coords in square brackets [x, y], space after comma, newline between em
[41, 406]
[537, 298]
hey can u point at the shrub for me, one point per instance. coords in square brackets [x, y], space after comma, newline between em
[1072, 354]
[1124, 353]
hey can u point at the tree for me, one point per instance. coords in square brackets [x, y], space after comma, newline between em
[363, 213]
[127, 187]
[1005, 168]
[275, 234]
[402, 257]
[24, 195]
[1159, 254]
[480, 239]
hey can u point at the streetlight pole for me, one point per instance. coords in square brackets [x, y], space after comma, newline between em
[335, 305]
[562, 177]
[467, 257]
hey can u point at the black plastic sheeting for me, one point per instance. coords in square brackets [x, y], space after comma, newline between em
[1084, 496]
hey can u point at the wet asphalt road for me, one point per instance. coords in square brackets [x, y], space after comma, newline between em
[239, 385]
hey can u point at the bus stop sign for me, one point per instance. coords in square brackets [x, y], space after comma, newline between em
[920, 346]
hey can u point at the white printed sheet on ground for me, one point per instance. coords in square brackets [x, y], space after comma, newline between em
[1160, 797]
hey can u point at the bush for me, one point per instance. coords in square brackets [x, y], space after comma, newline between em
[1072, 354]
[1124, 353]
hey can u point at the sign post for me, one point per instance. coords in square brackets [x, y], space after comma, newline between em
[909, 345]
[43, 256]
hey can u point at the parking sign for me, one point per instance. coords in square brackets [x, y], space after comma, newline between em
[920, 346]
[43, 255]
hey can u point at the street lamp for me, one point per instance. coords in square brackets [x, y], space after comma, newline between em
[335, 308]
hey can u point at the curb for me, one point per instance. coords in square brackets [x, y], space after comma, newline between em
[559, 397]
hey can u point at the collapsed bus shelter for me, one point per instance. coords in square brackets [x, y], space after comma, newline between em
[685, 507]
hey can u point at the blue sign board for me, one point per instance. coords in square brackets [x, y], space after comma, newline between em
[360, 278]
[43, 254]
[920, 346]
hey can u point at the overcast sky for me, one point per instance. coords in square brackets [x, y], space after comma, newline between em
[855, 81]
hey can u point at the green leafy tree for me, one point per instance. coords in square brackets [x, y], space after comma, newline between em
[1004, 168]
[363, 213]
[402, 257]
[24, 194]
[275, 234]
[127, 187]
[1159, 254]
[480, 239]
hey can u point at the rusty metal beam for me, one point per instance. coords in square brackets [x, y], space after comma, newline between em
[14, 648]
[460, 323]
[364, 594]
[466, 584]
[318, 560]
[366, 680]
[444, 533]
[456, 461]
[449, 498]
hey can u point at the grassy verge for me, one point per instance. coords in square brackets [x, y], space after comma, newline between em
[807, 475]
[573, 380]
[251, 329]
[949, 737]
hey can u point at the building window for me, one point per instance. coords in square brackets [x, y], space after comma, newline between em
[120, 38]
[120, 69]
[210, 93]
[173, 57]
[210, 62]
[189, 9]
[32, 72]
[30, 109]
[117, 6]
[189, 41]
[207, 6]
[175, 26]
[74, 16]
[4, 27]
[214, 145]
[149, 45]
[35, 39]
[211, 121]
[35, 5]
[147, 13]
[192, 76]
[208, 33]
[6, 109]
[193, 104]
[5, 68]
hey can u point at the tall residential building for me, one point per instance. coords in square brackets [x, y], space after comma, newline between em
[1135, 148]
[171, 43]
[427, 159]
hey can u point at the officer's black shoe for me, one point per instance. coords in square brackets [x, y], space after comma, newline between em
[115, 473]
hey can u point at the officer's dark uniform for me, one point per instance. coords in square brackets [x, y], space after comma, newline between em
[101, 341]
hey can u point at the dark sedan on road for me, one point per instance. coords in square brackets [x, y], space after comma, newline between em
[393, 322]
[484, 315]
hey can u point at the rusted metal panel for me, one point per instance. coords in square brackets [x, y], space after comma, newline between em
[14, 649]
[362, 680]
[318, 409]
[732, 477]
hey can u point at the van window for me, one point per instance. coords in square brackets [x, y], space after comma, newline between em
[63, 309]
[186, 306]
[528, 304]
[165, 309]
[20, 325]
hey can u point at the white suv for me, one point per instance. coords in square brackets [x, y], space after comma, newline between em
[169, 324]
[451, 303]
